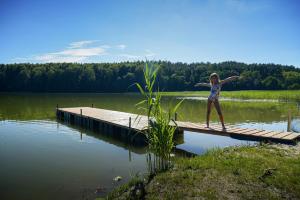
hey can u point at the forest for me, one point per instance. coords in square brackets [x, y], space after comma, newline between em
[120, 77]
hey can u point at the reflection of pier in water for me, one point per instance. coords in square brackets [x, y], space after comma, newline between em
[129, 126]
[138, 148]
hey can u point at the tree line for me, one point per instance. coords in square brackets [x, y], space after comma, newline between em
[119, 77]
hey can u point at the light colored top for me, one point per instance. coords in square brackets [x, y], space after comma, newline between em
[216, 88]
[214, 92]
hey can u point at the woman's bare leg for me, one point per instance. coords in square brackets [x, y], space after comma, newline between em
[209, 102]
[218, 108]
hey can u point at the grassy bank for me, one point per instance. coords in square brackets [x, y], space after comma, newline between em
[283, 95]
[260, 172]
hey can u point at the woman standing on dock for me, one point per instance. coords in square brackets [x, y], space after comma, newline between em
[215, 88]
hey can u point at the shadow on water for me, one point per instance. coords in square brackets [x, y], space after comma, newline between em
[106, 137]
[114, 139]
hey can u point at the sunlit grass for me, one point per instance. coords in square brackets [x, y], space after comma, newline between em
[259, 172]
[246, 172]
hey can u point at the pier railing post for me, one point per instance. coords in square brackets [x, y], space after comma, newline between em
[129, 122]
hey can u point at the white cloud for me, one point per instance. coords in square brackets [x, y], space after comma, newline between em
[149, 53]
[75, 52]
[70, 55]
[94, 51]
[121, 46]
[46, 58]
[87, 51]
[80, 44]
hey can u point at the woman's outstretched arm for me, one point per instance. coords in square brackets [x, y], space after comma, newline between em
[202, 84]
[231, 78]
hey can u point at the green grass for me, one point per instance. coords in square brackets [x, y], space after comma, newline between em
[283, 95]
[249, 172]
[263, 172]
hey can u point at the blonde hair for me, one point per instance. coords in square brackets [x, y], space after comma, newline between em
[214, 75]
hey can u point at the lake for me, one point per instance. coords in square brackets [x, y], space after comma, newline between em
[42, 158]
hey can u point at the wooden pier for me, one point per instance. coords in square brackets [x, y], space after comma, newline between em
[125, 126]
[129, 126]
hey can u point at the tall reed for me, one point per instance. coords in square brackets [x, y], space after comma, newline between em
[159, 133]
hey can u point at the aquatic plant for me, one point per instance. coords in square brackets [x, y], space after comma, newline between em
[159, 132]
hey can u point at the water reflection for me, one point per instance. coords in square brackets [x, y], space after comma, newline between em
[47, 160]
[106, 137]
[199, 143]
[42, 158]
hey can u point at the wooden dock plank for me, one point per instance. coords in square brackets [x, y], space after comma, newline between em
[262, 133]
[270, 134]
[254, 131]
[237, 129]
[240, 131]
[291, 136]
[139, 123]
[281, 135]
[244, 131]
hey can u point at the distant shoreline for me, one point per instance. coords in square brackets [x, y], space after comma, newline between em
[281, 95]
[120, 77]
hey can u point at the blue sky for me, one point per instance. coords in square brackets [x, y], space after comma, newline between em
[254, 31]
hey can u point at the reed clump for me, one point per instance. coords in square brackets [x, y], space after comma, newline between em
[159, 133]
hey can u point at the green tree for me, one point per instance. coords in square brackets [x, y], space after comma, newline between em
[271, 83]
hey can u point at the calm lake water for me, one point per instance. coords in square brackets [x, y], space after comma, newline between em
[42, 158]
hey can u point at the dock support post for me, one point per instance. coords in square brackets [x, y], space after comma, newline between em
[56, 110]
[129, 152]
[81, 117]
[129, 122]
[127, 133]
[289, 121]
